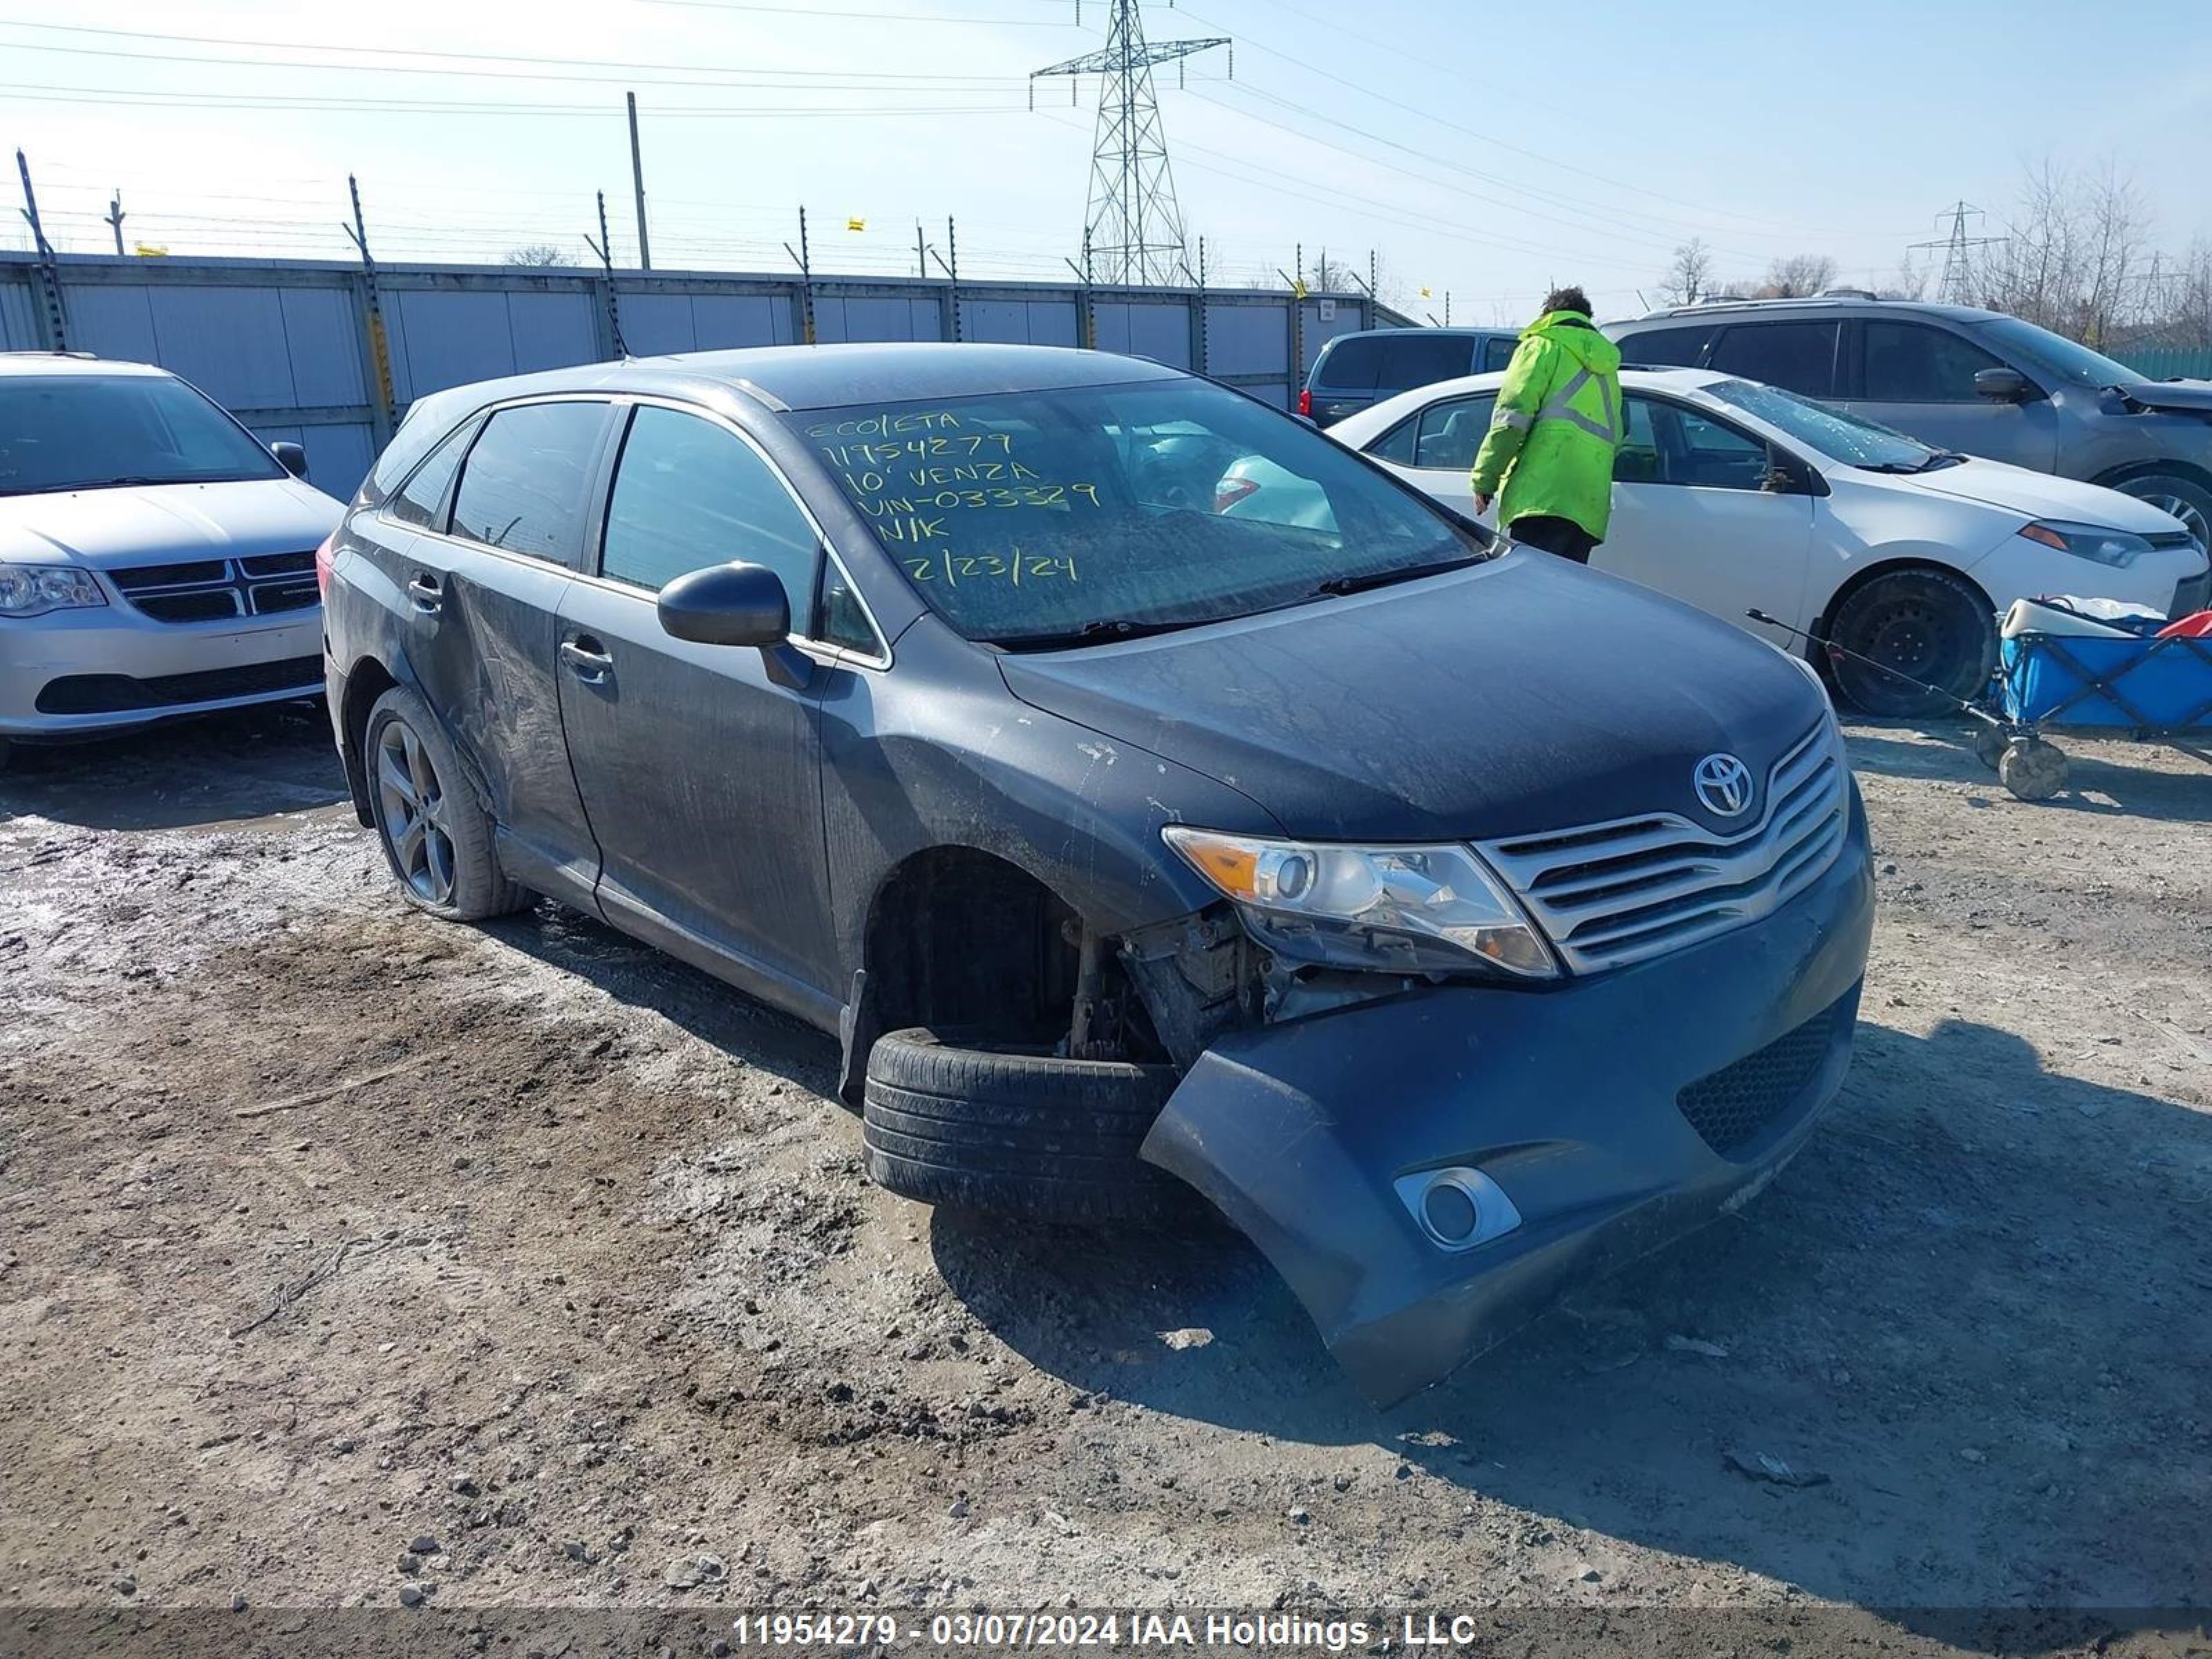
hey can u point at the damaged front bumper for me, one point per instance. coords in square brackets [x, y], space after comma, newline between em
[1578, 1128]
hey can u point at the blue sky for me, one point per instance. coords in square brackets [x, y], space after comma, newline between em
[1483, 150]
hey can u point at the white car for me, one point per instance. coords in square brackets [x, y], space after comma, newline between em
[1736, 496]
[156, 558]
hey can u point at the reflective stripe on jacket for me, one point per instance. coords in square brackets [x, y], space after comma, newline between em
[1558, 421]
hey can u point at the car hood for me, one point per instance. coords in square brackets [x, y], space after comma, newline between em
[1520, 696]
[2192, 395]
[142, 524]
[2040, 496]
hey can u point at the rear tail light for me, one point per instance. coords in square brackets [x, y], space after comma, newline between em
[1230, 491]
[326, 555]
[1305, 401]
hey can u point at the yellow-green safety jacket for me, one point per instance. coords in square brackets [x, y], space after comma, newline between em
[1558, 421]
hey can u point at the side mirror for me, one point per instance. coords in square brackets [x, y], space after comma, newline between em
[291, 457]
[727, 605]
[1785, 476]
[2003, 386]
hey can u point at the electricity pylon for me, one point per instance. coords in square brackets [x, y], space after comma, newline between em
[1134, 223]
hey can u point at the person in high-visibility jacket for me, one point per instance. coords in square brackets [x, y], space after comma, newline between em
[1550, 443]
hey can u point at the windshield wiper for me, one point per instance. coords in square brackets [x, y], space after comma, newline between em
[1939, 459]
[1098, 632]
[1405, 573]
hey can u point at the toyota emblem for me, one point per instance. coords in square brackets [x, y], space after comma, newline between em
[1724, 784]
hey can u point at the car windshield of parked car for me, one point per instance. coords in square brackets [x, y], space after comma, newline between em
[1037, 518]
[1829, 432]
[86, 431]
[2062, 356]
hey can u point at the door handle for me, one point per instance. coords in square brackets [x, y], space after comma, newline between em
[587, 660]
[422, 589]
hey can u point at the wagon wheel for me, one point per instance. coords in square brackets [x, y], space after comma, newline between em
[1990, 744]
[2032, 770]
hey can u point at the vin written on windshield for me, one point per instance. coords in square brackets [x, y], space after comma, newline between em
[1030, 516]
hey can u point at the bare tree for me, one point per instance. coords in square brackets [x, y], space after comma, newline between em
[1797, 277]
[2073, 253]
[1910, 281]
[537, 253]
[1328, 276]
[1690, 277]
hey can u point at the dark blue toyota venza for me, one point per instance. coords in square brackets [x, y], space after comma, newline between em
[1163, 807]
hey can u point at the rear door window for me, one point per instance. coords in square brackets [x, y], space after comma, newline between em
[1797, 356]
[525, 484]
[1680, 347]
[1351, 365]
[1418, 357]
[1914, 363]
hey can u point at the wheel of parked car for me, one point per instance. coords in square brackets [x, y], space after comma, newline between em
[2181, 498]
[953, 1119]
[1931, 627]
[435, 833]
[2032, 770]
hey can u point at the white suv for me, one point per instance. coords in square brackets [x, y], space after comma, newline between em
[1736, 496]
[155, 558]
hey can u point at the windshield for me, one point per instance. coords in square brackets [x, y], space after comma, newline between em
[1046, 517]
[1831, 433]
[2062, 356]
[83, 431]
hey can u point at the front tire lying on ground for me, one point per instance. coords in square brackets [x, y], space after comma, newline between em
[1927, 625]
[952, 1119]
[436, 835]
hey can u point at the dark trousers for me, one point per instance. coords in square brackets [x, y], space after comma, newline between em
[1554, 535]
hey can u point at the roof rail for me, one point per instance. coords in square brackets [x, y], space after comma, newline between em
[1847, 293]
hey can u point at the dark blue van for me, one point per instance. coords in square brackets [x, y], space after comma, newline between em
[1355, 370]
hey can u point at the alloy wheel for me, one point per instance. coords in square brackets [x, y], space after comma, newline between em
[412, 812]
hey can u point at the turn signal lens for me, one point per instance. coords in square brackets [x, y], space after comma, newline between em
[2047, 536]
[325, 556]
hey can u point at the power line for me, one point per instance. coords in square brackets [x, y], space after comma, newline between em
[1398, 102]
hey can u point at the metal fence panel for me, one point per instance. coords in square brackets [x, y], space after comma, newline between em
[19, 314]
[1344, 318]
[1244, 337]
[864, 317]
[2167, 362]
[116, 322]
[1146, 329]
[322, 330]
[1019, 322]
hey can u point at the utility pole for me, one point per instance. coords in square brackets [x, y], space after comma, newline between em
[1956, 285]
[50, 276]
[637, 186]
[115, 219]
[1132, 212]
[379, 347]
[605, 248]
[921, 253]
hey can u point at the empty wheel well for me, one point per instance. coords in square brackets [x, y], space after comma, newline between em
[368, 680]
[958, 937]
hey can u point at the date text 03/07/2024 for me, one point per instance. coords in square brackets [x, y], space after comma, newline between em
[1256, 1632]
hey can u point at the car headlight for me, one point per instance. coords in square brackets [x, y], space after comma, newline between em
[2118, 548]
[1396, 909]
[32, 590]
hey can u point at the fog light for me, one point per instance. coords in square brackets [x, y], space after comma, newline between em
[1457, 1209]
[1447, 1212]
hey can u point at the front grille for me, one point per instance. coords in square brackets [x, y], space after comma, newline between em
[1733, 1107]
[117, 694]
[213, 590]
[1631, 889]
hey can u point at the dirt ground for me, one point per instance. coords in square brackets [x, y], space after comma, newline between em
[326, 1229]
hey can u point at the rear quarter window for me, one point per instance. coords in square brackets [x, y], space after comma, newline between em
[1350, 365]
[1680, 347]
[1420, 358]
